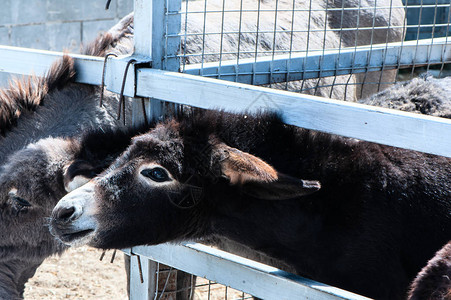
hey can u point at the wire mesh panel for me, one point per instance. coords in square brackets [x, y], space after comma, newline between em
[219, 31]
[235, 32]
[170, 285]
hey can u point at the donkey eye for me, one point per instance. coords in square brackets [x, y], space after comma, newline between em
[156, 174]
[18, 200]
[22, 202]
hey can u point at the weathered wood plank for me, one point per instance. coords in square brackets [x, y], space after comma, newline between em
[143, 19]
[142, 290]
[26, 61]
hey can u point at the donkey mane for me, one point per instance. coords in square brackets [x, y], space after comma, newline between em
[108, 41]
[105, 145]
[27, 94]
[250, 132]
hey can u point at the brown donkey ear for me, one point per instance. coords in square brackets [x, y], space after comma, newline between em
[258, 179]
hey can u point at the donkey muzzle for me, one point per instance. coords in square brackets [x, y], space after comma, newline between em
[72, 221]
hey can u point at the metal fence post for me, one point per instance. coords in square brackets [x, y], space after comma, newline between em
[156, 27]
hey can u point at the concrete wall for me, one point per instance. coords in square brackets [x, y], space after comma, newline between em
[56, 24]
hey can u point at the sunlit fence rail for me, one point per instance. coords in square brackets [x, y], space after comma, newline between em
[243, 274]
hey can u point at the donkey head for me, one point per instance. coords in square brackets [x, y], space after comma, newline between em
[35, 178]
[164, 187]
[31, 182]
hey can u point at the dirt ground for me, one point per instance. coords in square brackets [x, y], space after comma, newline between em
[79, 274]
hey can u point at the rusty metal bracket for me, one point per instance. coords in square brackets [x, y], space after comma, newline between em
[120, 68]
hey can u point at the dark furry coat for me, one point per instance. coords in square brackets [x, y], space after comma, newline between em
[434, 280]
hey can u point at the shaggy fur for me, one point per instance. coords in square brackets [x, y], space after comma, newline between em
[62, 108]
[425, 95]
[118, 40]
[380, 214]
[434, 280]
[27, 94]
[33, 165]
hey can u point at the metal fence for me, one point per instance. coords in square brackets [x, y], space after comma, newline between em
[341, 49]
[227, 40]
[253, 278]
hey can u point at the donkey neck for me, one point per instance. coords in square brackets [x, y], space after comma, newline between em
[275, 228]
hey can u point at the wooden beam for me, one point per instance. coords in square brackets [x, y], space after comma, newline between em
[25, 61]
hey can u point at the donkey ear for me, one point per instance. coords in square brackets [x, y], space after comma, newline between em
[77, 173]
[241, 167]
[259, 179]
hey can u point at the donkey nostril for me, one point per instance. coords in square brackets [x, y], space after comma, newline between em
[66, 213]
